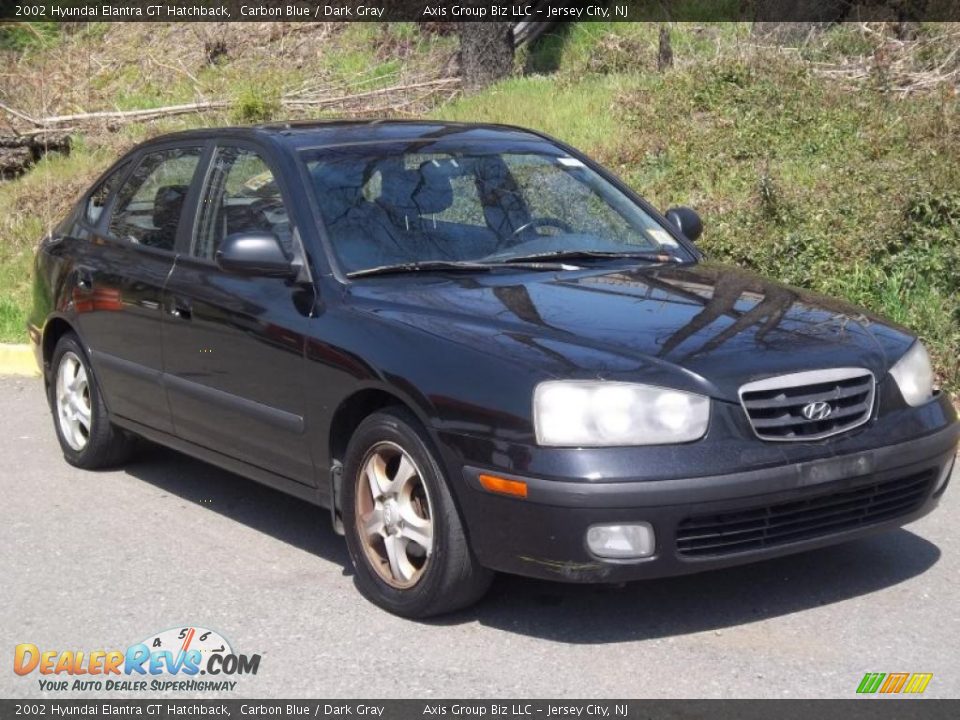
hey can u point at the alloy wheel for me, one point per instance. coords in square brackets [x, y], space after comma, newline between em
[394, 515]
[74, 408]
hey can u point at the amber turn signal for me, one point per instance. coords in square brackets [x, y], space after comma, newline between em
[503, 486]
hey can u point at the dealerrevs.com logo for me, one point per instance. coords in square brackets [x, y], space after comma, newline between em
[172, 660]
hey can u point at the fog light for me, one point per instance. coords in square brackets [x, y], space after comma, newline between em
[621, 542]
[944, 476]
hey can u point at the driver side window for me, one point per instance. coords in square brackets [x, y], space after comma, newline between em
[241, 195]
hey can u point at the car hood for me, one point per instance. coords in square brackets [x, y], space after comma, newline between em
[705, 327]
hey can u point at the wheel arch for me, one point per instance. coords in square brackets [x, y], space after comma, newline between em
[359, 405]
[351, 411]
[54, 329]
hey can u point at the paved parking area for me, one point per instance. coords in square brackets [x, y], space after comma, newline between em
[103, 560]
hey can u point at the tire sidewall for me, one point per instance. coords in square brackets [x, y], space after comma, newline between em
[414, 601]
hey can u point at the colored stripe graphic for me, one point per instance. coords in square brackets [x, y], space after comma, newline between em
[870, 682]
[894, 683]
[918, 682]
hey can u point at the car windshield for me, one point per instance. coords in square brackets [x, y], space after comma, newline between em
[407, 208]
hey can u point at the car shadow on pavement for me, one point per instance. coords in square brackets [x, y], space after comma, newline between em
[257, 506]
[585, 614]
[709, 601]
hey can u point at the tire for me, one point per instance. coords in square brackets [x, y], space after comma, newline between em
[414, 582]
[74, 393]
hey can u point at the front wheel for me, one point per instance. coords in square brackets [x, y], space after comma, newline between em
[403, 531]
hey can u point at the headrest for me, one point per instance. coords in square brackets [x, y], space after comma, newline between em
[339, 188]
[424, 191]
[397, 187]
[435, 192]
[167, 204]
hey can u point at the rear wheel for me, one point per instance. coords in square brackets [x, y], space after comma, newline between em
[403, 531]
[88, 439]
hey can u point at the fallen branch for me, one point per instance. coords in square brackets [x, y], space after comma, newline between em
[134, 115]
[18, 153]
[292, 101]
[17, 114]
[315, 102]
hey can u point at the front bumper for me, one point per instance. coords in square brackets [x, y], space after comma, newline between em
[707, 522]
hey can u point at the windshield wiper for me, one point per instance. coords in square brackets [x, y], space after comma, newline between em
[586, 255]
[454, 265]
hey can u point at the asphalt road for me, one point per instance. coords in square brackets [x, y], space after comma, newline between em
[103, 560]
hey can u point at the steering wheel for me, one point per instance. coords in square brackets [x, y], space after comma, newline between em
[264, 212]
[267, 205]
[543, 222]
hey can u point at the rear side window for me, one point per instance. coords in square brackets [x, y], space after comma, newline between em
[101, 195]
[241, 195]
[151, 201]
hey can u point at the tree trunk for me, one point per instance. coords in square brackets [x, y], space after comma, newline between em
[791, 22]
[486, 52]
[665, 50]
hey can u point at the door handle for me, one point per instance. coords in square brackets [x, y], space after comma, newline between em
[181, 309]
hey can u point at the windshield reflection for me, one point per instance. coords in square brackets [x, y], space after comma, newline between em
[407, 205]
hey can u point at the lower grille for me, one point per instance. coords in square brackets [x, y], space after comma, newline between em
[783, 523]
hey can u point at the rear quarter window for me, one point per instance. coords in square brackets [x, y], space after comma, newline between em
[98, 199]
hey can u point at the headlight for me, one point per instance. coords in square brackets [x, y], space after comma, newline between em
[576, 413]
[914, 375]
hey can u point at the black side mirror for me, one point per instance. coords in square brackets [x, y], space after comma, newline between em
[254, 253]
[687, 222]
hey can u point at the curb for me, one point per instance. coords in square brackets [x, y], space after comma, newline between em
[18, 360]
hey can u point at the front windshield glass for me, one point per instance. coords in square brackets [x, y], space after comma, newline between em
[473, 205]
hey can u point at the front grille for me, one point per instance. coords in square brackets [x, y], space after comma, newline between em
[788, 522]
[776, 406]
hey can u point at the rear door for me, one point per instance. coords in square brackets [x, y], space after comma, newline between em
[120, 276]
[234, 345]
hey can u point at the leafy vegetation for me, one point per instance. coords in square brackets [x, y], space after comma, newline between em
[19, 36]
[850, 191]
[803, 170]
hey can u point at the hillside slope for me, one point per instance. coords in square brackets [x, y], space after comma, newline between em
[834, 165]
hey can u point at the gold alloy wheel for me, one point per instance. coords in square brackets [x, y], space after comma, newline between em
[393, 515]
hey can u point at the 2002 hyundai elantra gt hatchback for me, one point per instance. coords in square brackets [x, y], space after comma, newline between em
[481, 352]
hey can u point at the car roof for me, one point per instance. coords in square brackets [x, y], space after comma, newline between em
[319, 134]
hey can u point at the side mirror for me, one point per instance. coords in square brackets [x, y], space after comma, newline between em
[254, 253]
[687, 222]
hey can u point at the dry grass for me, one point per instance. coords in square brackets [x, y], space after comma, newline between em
[259, 70]
[830, 164]
[249, 71]
[886, 56]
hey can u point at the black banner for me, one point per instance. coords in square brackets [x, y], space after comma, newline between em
[479, 10]
[878, 709]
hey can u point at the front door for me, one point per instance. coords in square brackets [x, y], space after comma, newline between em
[234, 345]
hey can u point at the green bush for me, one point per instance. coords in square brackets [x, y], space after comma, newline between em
[20, 36]
[253, 105]
[927, 251]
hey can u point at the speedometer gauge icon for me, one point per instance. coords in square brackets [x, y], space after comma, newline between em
[184, 639]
